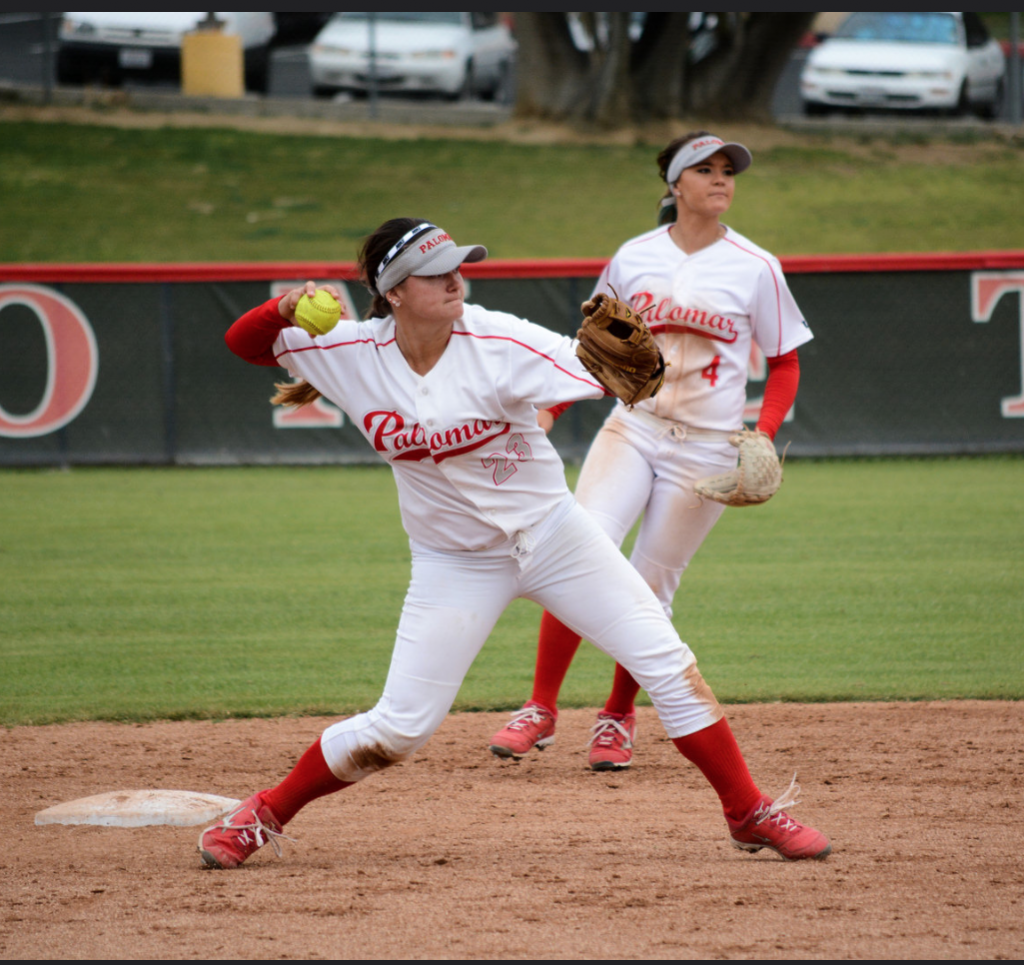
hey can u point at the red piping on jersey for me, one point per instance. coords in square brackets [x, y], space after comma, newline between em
[324, 348]
[775, 281]
[506, 338]
[651, 237]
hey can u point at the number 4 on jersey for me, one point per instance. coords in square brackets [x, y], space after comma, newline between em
[710, 372]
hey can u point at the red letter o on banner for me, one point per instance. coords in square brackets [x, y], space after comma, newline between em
[72, 361]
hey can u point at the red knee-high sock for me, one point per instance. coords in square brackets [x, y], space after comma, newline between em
[624, 690]
[715, 751]
[556, 646]
[309, 779]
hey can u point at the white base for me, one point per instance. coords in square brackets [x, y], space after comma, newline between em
[136, 809]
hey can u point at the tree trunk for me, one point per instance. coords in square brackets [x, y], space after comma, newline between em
[558, 81]
[618, 82]
[610, 83]
[658, 65]
[551, 72]
[737, 81]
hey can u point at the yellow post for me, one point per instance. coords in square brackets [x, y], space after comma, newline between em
[212, 64]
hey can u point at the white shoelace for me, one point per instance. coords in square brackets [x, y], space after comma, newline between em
[528, 715]
[605, 728]
[787, 799]
[262, 833]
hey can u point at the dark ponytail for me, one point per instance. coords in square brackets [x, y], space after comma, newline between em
[372, 253]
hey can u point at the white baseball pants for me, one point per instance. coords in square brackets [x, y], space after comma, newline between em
[566, 564]
[639, 463]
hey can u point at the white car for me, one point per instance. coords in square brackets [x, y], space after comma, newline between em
[454, 54]
[944, 61]
[110, 48]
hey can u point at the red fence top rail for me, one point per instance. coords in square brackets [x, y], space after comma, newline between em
[493, 268]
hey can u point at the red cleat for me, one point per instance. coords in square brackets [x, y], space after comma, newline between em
[533, 726]
[611, 747]
[768, 826]
[244, 831]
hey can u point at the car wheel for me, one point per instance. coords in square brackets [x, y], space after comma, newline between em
[490, 93]
[504, 87]
[69, 69]
[321, 90]
[467, 88]
[991, 110]
[815, 108]
[963, 103]
[257, 70]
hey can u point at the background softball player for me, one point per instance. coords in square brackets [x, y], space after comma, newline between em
[448, 395]
[706, 292]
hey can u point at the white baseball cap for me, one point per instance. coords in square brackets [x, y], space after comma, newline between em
[423, 250]
[700, 149]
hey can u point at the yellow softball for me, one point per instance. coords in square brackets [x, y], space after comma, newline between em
[319, 314]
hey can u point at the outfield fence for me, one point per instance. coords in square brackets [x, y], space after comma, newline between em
[126, 364]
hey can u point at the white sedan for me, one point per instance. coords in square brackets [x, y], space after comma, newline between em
[454, 54]
[944, 61]
[114, 47]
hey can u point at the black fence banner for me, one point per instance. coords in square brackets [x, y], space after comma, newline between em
[124, 364]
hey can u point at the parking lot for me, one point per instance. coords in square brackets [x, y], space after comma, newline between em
[26, 58]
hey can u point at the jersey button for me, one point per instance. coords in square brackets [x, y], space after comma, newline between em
[424, 391]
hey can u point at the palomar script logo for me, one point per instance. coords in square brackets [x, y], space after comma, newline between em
[666, 316]
[394, 439]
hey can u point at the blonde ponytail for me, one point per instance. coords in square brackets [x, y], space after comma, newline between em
[294, 394]
[375, 247]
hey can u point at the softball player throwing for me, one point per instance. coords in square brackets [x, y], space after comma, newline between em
[448, 395]
[706, 292]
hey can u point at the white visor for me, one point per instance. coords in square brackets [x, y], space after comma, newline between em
[700, 149]
[425, 250]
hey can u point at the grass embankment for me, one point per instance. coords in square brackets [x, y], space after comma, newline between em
[140, 594]
[77, 193]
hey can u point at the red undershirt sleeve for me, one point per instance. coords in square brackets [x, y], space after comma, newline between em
[557, 410]
[252, 337]
[779, 391]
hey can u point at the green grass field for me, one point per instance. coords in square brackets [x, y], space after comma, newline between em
[174, 593]
[102, 194]
[141, 594]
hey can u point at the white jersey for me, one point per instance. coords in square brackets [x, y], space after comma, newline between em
[473, 468]
[704, 310]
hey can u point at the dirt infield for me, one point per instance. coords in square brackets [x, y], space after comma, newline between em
[456, 855]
